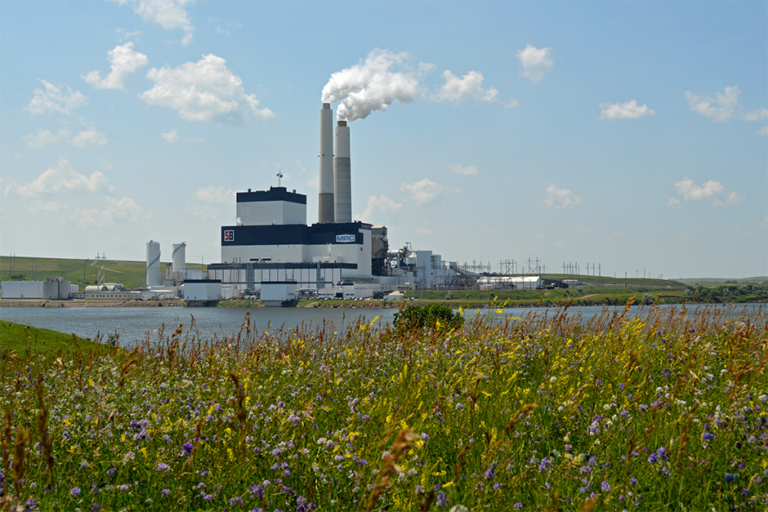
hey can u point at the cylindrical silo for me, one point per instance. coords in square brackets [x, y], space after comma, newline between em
[342, 183]
[179, 257]
[325, 200]
[154, 278]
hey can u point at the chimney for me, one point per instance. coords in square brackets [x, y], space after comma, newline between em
[342, 183]
[325, 199]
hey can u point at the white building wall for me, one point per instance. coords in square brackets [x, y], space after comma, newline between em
[22, 289]
[202, 291]
[265, 213]
[271, 253]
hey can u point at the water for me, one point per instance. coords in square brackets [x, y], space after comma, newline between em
[134, 324]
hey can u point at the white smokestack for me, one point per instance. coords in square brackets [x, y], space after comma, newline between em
[179, 257]
[342, 183]
[154, 278]
[325, 199]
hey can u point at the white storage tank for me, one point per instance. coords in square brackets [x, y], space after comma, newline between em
[154, 277]
[179, 257]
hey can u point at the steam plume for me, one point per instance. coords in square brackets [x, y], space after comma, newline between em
[373, 85]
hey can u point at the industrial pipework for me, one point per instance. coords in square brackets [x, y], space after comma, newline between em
[325, 201]
[342, 183]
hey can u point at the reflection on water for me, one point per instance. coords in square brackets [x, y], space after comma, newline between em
[135, 324]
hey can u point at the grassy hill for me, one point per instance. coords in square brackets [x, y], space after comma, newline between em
[80, 272]
[19, 339]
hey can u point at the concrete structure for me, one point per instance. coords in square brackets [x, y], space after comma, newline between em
[342, 182]
[510, 282]
[202, 292]
[273, 207]
[154, 277]
[280, 293]
[107, 295]
[325, 212]
[22, 289]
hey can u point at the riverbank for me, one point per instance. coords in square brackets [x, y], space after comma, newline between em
[77, 303]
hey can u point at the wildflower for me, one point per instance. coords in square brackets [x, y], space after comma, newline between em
[730, 477]
[605, 486]
[111, 471]
[496, 487]
[165, 492]
[187, 447]
[633, 481]
[518, 505]
[75, 492]
[95, 507]
[652, 458]
[442, 499]
[236, 501]
[419, 489]
[707, 436]
[459, 406]
[162, 467]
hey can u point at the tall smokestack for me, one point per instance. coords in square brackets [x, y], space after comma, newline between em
[342, 183]
[325, 200]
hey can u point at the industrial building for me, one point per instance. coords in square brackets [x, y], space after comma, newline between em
[53, 288]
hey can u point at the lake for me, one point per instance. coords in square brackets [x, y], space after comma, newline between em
[135, 324]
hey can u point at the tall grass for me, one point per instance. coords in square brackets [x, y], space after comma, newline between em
[663, 411]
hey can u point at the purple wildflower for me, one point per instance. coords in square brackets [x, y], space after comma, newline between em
[707, 436]
[187, 448]
[75, 492]
[605, 486]
[95, 507]
[165, 492]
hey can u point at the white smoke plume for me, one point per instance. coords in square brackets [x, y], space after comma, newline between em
[373, 84]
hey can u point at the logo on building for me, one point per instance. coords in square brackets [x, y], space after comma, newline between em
[345, 239]
[229, 235]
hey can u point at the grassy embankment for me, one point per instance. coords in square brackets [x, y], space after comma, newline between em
[22, 339]
[546, 413]
[132, 274]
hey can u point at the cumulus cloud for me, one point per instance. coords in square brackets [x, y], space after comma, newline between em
[123, 209]
[425, 190]
[169, 14]
[719, 109]
[44, 138]
[628, 110]
[762, 131]
[203, 211]
[756, 115]
[214, 194]
[124, 62]
[205, 90]
[673, 203]
[512, 103]
[461, 89]
[60, 179]
[89, 137]
[373, 84]
[468, 170]
[535, 62]
[381, 204]
[561, 197]
[171, 136]
[55, 100]
[691, 192]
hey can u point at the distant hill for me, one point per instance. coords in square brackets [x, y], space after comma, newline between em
[717, 281]
[132, 274]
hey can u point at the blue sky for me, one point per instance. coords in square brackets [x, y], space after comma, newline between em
[630, 135]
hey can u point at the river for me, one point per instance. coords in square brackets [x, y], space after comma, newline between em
[135, 324]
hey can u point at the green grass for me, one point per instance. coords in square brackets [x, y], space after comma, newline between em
[132, 274]
[656, 413]
[22, 339]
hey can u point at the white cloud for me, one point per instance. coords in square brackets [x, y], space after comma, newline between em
[628, 110]
[561, 197]
[124, 62]
[468, 170]
[125, 34]
[314, 181]
[203, 91]
[728, 199]
[124, 209]
[214, 194]
[171, 136]
[382, 204]
[720, 109]
[764, 223]
[512, 104]
[709, 190]
[59, 179]
[371, 84]
[756, 115]
[53, 99]
[89, 137]
[469, 86]
[673, 203]
[425, 190]
[44, 137]
[762, 131]
[169, 14]
[202, 211]
[535, 62]
[692, 192]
